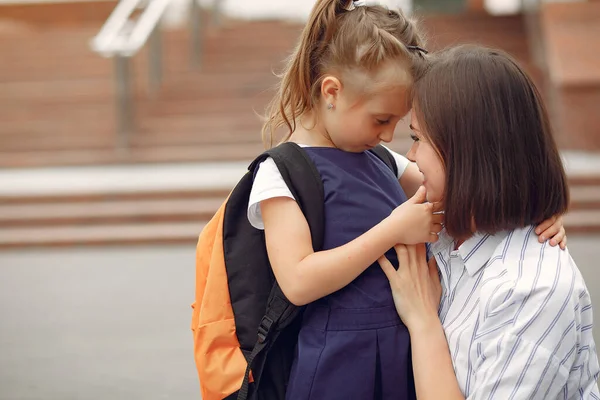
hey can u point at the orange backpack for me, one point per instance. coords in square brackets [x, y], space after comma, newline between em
[245, 330]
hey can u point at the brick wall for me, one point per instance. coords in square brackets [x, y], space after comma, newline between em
[571, 34]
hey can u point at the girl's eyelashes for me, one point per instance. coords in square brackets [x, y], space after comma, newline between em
[414, 137]
[383, 122]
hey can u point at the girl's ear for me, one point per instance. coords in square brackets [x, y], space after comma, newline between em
[330, 89]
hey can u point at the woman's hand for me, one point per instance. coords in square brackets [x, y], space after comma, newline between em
[554, 230]
[415, 286]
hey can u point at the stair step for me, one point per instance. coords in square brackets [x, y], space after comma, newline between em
[582, 221]
[584, 197]
[186, 108]
[27, 139]
[108, 212]
[116, 195]
[197, 136]
[102, 135]
[62, 14]
[174, 232]
[106, 139]
[178, 206]
[206, 152]
[52, 91]
[185, 151]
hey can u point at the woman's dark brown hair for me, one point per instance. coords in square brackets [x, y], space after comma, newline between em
[489, 125]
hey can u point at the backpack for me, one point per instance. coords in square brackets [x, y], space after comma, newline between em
[245, 330]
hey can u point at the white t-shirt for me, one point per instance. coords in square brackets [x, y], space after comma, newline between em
[268, 184]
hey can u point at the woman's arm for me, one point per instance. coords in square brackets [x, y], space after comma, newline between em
[416, 289]
[305, 276]
[410, 177]
[530, 327]
[432, 363]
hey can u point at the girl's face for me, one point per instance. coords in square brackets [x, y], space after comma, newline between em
[358, 125]
[425, 155]
[360, 122]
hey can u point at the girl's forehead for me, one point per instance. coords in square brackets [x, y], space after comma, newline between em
[390, 75]
[396, 99]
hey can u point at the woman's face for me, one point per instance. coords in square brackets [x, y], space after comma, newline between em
[428, 160]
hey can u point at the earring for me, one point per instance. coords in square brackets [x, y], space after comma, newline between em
[330, 106]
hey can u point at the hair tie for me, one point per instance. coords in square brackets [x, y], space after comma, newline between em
[417, 48]
[363, 3]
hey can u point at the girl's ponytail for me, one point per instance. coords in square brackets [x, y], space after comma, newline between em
[295, 91]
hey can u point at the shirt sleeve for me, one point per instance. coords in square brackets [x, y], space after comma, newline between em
[401, 162]
[268, 184]
[529, 333]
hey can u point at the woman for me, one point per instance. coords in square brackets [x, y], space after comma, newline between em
[515, 316]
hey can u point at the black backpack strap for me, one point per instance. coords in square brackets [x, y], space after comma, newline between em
[279, 313]
[304, 181]
[384, 155]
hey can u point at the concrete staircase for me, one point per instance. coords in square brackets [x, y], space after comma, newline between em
[168, 204]
[571, 31]
[108, 219]
[57, 110]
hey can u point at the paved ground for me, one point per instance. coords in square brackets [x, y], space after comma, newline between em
[105, 323]
[113, 323]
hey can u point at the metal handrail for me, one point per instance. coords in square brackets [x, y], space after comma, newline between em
[114, 24]
[121, 38]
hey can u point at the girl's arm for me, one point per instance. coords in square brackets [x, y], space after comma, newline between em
[305, 275]
[411, 179]
[551, 229]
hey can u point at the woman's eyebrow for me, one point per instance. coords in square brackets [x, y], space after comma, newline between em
[413, 128]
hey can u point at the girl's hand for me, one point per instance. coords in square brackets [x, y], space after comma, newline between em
[415, 222]
[554, 230]
[415, 287]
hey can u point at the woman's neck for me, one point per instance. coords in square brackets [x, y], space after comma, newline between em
[459, 241]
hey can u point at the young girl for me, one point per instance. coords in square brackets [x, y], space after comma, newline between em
[515, 318]
[345, 88]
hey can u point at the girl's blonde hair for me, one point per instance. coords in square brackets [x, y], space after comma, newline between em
[339, 37]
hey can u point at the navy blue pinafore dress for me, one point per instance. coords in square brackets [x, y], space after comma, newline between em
[352, 344]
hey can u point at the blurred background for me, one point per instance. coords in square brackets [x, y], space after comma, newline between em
[123, 125]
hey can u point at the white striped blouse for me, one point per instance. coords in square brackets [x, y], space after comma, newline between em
[518, 318]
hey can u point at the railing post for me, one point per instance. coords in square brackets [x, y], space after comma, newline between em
[195, 28]
[216, 12]
[155, 59]
[533, 26]
[124, 102]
